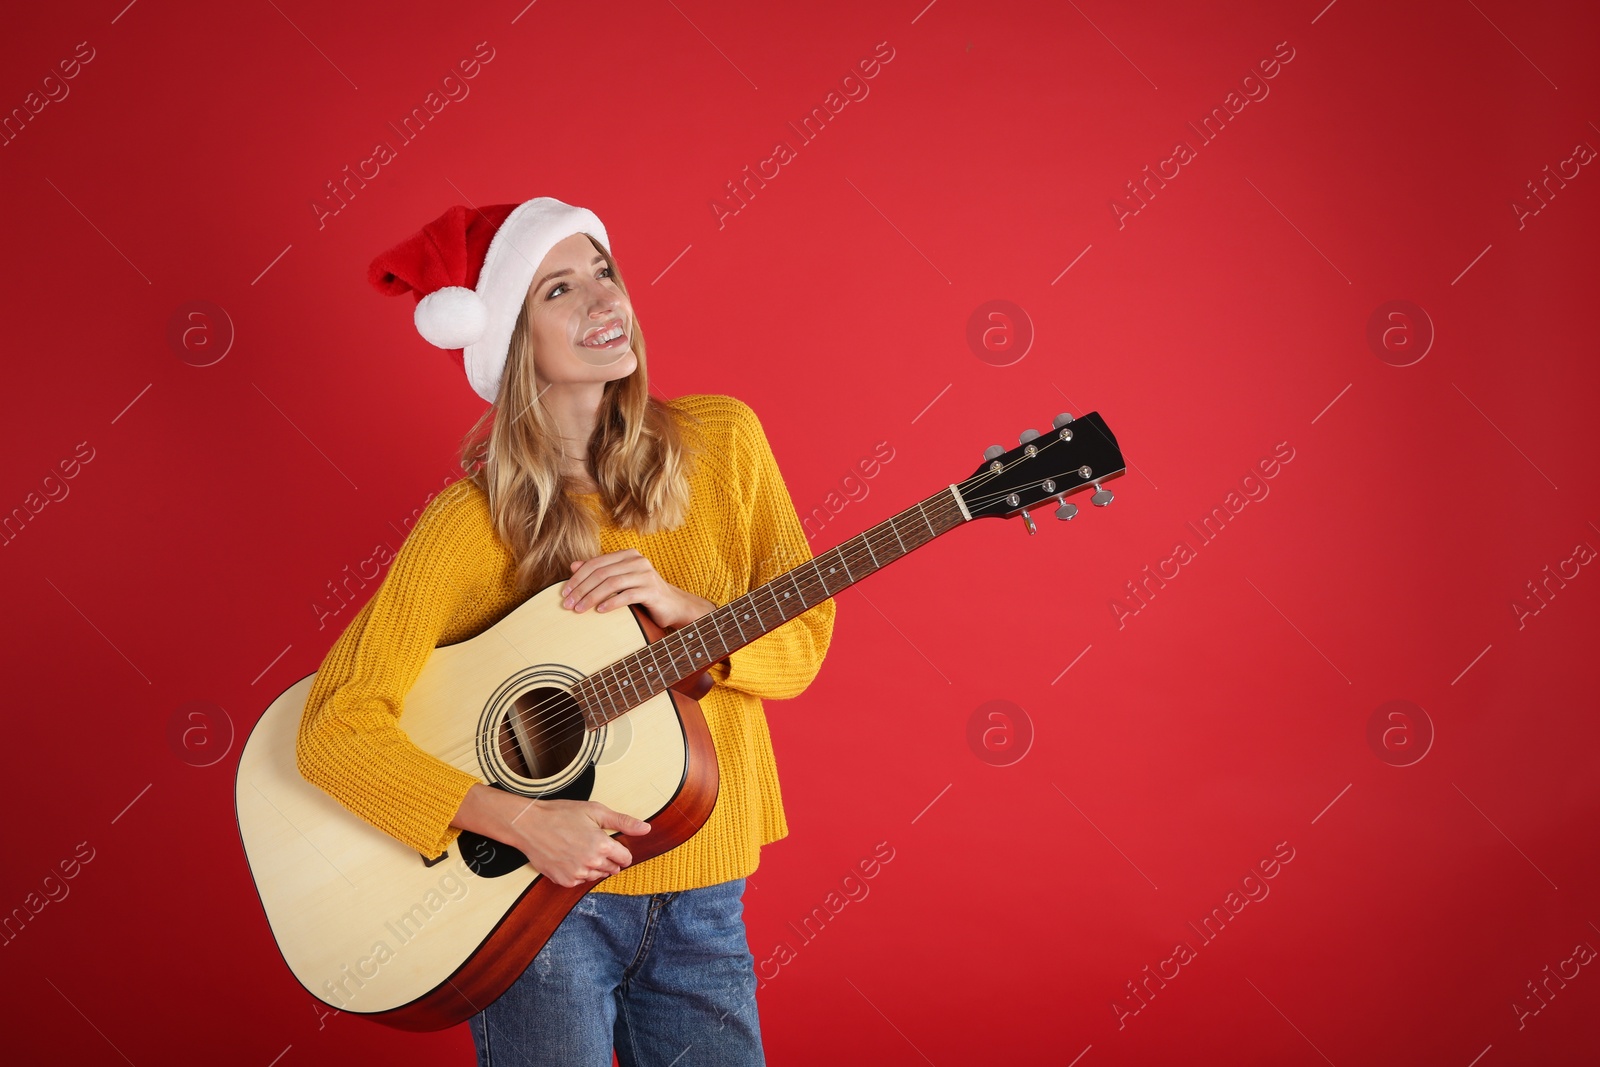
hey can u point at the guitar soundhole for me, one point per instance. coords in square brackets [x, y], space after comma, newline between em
[543, 733]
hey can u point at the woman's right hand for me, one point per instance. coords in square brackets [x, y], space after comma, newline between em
[564, 840]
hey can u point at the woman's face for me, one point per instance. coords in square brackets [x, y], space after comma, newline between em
[579, 320]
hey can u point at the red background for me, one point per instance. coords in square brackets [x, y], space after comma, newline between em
[1186, 741]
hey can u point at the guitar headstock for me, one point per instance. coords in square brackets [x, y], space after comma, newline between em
[1073, 455]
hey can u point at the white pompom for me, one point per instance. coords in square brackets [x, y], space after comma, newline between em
[452, 317]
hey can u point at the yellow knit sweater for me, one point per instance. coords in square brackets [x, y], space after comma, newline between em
[452, 579]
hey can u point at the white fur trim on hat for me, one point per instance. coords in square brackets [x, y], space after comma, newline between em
[515, 252]
[451, 317]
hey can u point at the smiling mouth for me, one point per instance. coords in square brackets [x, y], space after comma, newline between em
[605, 337]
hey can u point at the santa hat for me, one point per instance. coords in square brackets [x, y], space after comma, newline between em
[470, 270]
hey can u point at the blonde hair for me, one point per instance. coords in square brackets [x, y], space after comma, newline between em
[639, 457]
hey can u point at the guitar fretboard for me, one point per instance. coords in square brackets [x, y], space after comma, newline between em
[629, 682]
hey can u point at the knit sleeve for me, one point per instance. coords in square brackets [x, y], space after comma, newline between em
[350, 743]
[782, 663]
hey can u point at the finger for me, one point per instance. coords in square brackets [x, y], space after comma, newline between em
[582, 571]
[615, 590]
[621, 598]
[574, 591]
[587, 594]
[611, 819]
[578, 591]
[573, 587]
[586, 566]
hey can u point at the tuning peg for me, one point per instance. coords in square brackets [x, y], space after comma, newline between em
[1026, 435]
[1061, 420]
[993, 452]
[1029, 520]
[1066, 511]
[1102, 496]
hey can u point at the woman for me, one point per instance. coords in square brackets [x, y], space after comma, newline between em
[578, 475]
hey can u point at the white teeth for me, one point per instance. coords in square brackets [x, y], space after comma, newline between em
[606, 337]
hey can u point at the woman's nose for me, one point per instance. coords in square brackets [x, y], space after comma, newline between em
[603, 299]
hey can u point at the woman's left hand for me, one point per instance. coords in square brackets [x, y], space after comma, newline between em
[611, 580]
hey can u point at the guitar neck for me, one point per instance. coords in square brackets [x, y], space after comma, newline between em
[612, 691]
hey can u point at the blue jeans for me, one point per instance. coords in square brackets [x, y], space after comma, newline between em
[665, 978]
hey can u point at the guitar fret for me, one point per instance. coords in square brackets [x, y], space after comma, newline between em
[924, 515]
[578, 694]
[703, 646]
[866, 540]
[896, 533]
[614, 689]
[716, 624]
[680, 655]
[605, 689]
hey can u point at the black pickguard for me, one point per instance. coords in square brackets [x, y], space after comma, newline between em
[488, 858]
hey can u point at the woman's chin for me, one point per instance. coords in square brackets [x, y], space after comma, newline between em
[585, 367]
[621, 365]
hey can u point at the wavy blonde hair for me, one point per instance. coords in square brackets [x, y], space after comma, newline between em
[640, 457]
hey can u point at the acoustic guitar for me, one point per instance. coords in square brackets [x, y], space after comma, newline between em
[551, 704]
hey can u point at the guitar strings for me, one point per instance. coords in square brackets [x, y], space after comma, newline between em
[541, 714]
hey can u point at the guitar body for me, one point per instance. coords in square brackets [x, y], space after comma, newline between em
[363, 921]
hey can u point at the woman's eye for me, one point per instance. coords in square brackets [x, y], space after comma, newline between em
[605, 272]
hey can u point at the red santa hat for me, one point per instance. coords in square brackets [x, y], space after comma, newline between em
[470, 270]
